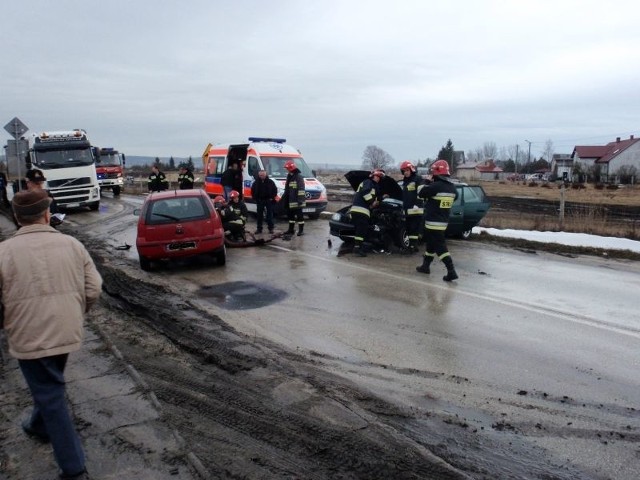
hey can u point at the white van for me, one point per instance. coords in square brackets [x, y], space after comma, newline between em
[268, 154]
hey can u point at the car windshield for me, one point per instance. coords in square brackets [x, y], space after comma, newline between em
[62, 158]
[275, 166]
[173, 210]
[109, 160]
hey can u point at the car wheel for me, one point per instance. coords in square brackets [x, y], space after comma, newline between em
[314, 216]
[221, 256]
[94, 206]
[145, 263]
[116, 191]
[401, 238]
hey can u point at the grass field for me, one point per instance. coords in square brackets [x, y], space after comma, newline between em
[626, 195]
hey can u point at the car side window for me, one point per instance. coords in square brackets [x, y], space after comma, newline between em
[253, 167]
[460, 196]
[472, 195]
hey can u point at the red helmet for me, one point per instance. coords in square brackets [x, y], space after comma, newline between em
[290, 166]
[440, 167]
[407, 165]
[378, 171]
[233, 194]
[219, 201]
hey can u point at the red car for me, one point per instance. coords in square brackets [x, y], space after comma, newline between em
[176, 224]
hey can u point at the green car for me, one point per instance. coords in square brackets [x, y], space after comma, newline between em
[469, 208]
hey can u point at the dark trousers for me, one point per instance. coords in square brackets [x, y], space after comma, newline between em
[50, 416]
[436, 244]
[295, 215]
[361, 225]
[261, 208]
[413, 224]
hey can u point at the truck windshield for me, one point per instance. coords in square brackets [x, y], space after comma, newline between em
[275, 166]
[109, 160]
[62, 158]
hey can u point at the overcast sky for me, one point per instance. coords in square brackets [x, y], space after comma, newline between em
[165, 78]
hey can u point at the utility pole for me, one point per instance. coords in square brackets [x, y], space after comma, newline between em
[517, 147]
[529, 156]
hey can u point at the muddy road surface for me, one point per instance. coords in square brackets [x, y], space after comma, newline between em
[256, 396]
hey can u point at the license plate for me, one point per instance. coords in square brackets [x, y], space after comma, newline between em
[72, 205]
[308, 210]
[181, 246]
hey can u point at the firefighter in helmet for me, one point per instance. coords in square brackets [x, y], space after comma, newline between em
[294, 198]
[367, 197]
[411, 203]
[439, 196]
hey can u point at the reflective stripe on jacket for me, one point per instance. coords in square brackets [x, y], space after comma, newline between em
[439, 196]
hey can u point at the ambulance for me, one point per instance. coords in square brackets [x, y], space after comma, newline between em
[269, 154]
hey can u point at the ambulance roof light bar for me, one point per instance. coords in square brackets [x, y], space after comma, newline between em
[272, 140]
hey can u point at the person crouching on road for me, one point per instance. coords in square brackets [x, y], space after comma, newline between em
[294, 198]
[264, 192]
[234, 215]
[45, 296]
[439, 195]
[366, 197]
[412, 205]
[157, 180]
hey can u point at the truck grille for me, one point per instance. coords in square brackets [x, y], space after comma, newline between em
[69, 182]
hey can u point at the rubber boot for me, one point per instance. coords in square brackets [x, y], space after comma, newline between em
[426, 261]
[301, 229]
[291, 230]
[357, 250]
[451, 272]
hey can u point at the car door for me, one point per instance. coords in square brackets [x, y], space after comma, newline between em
[475, 205]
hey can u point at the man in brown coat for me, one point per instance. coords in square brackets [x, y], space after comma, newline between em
[48, 282]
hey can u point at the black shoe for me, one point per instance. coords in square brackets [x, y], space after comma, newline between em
[258, 231]
[39, 436]
[300, 234]
[423, 269]
[78, 476]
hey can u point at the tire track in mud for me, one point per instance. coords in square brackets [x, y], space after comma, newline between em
[221, 400]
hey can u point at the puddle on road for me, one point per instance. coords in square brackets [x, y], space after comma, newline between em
[241, 295]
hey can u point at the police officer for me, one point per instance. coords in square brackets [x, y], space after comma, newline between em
[439, 194]
[412, 205]
[366, 197]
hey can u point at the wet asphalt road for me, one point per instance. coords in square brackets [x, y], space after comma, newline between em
[546, 343]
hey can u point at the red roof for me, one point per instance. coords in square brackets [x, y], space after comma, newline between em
[604, 154]
[489, 169]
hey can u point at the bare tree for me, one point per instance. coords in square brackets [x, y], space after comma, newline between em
[548, 151]
[489, 150]
[375, 157]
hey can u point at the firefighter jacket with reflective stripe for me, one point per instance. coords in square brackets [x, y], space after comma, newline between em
[294, 190]
[157, 182]
[410, 201]
[439, 196]
[240, 210]
[366, 194]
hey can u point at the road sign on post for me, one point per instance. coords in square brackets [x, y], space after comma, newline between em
[16, 128]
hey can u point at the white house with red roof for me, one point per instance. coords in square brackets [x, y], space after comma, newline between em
[615, 159]
[486, 170]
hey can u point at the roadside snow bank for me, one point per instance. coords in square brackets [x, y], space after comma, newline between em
[566, 238]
